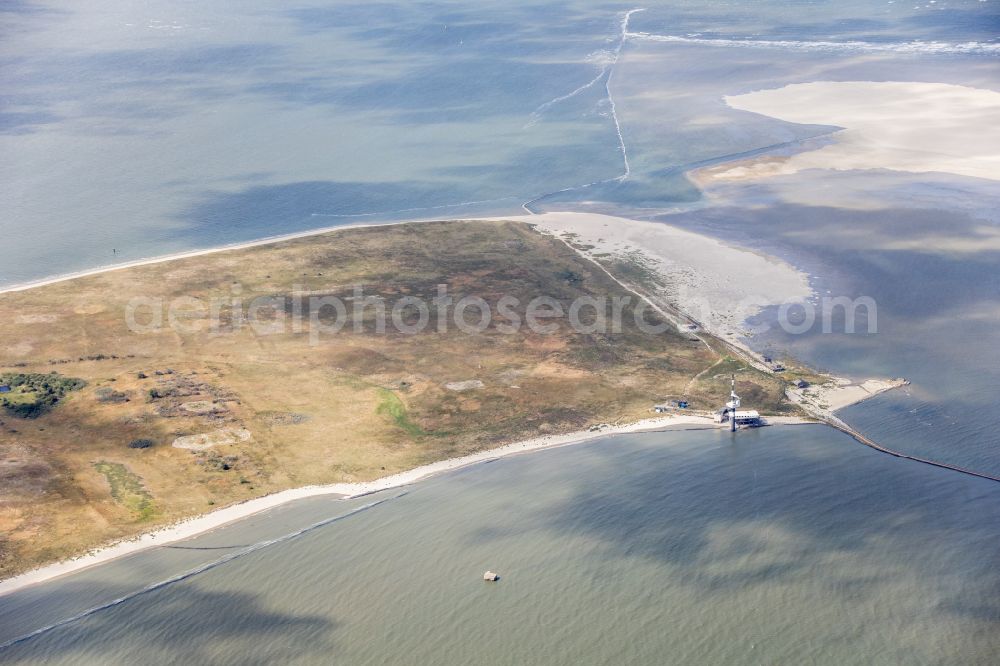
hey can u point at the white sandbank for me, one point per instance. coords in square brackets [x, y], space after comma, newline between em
[210, 521]
[716, 284]
[903, 126]
[824, 400]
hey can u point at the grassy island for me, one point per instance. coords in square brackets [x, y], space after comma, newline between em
[107, 431]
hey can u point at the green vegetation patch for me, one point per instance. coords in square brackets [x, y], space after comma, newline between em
[127, 488]
[31, 395]
[392, 406]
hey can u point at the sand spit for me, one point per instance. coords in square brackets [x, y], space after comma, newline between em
[825, 399]
[716, 284]
[210, 521]
[903, 126]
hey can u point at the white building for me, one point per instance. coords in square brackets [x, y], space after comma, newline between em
[735, 416]
[747, 417]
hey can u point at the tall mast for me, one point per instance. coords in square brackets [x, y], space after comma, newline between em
[734, 403]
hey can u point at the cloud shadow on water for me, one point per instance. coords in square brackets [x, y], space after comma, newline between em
[182, 623]
[16, 122]
[788, 506]
[269, 210]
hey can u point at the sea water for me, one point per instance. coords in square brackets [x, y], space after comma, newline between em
[916, 245]
[131, 130]
[789, 544]
[135, 129]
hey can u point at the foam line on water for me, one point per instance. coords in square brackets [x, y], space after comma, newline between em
[194, 572]
[527, 204]
[607, 74]
[611, 99]
[605, 70]
[912, 47]
[537, 113]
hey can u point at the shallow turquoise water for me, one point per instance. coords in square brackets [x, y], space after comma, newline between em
[783, 545]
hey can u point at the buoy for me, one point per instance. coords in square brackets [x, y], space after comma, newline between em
[491, 577]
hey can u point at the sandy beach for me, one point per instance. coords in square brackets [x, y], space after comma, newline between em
[210, 521]
[826, 399]
[904, 126]
[718, 285]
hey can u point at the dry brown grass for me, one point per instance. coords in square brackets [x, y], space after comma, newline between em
[356, 407]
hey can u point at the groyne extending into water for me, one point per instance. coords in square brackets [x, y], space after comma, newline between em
[846, 429]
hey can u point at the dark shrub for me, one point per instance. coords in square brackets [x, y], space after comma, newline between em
[25, 410]
[109, 395]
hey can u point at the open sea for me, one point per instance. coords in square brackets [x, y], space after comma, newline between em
[784, 545]
[133, 129]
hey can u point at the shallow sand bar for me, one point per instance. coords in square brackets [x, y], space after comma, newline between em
[904, 126]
